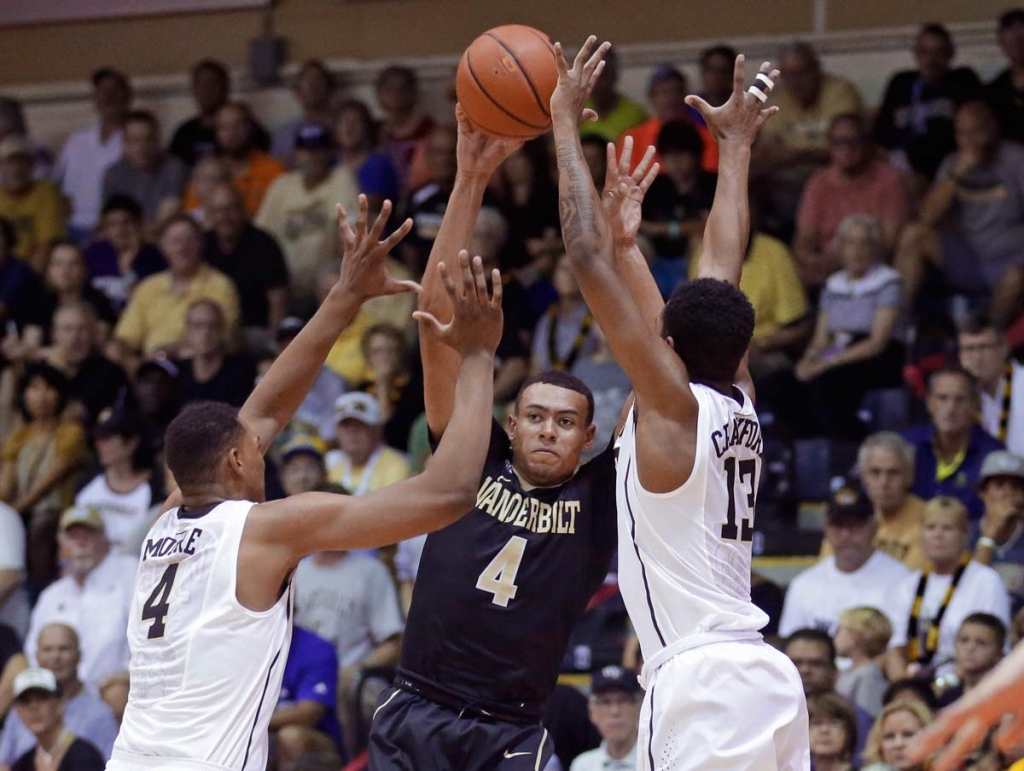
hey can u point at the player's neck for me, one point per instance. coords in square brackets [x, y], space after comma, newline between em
[527, 484]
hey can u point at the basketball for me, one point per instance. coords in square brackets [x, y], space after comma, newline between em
[505, 81]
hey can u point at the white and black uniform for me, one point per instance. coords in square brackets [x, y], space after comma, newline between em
[718, 696]
[205, 671]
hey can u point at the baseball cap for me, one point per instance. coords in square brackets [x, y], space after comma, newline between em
[314, 136]
[1011, 17]
[849, 500]
[358, 406]
[35, 679]
[614, 678]
[303, 444]
[1001, 463]
[82, 515]
[288, 328]
[664, 72]
[165, 366]
[117, 421]
[15, 145]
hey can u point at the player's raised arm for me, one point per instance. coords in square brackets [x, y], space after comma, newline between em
[447, 489]
[658, 374]
[734, 126]
[477, 156]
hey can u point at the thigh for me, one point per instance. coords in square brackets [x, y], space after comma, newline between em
[404, 734]
[961, 266]
[509, 747]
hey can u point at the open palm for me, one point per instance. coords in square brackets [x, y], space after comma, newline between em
[624, 193]
[741, 117]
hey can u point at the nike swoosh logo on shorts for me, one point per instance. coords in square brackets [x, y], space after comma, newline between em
[516, 754]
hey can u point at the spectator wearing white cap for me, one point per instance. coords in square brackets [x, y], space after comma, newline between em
[85, 714]
[38, 702]
[363, 463]
[93, 597]
[614, 707]
[33, 206]
[1001, 489]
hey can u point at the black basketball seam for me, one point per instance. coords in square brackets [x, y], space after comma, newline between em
[526, 75]
[469, 66]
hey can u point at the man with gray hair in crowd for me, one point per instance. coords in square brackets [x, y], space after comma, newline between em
[885, 462]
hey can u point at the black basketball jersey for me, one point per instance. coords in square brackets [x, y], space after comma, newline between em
[499, 591]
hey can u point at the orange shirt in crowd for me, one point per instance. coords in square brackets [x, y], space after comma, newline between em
[252, 182]
[646, 134]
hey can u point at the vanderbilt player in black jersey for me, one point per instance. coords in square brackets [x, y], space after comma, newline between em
[498, 593]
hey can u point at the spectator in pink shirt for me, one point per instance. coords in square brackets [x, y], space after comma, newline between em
[856, 181]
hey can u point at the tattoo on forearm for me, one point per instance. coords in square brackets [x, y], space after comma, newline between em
[576, 200]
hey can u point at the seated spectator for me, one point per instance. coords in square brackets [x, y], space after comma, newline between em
[121, 257]
[156, 394]
[126, 488]
[863, 635]
[614, 707]
[666, 92]
[346, 356]
[979, 646]
[93, 597]
[21, 293]
[313, 88]
[858, 337]
[33, 206]
[915, 120]
[398, 392]
[930, 605]
[949, 451]
[350, 600]
[305, 719]
[1006, 92]
[405, 123]
[911, 689]
[854, 182]
[356, 133]
[885, 462]
[302, 465]
[210, 373]
[565, 333]
[94, 381]
[299, 207]
[38, 703]
[363, 463]
[145, 173]
[12, 663]
[425, 205]
[14, 605]
[12, 123]
[856, 575]
[595, 153]
[530, 204]
[316, 413]
[616, 111]
[251, 257]
[207, 176]
[114, 693]
[88, 152]
[155, 316]
[41, 463]
[972, 219]
[1001, 489]
[984, 352]
[717, 65]
[892, 733]
[833, 732]
[196, 138]
[609, 385]
[67, 281]
[85, 715]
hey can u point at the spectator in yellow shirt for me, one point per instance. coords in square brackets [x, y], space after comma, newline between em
[32, 206]
[155, 316]
[363, 463]
[616, 111]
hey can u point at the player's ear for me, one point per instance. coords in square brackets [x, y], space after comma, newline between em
[591, 433]
[512, 422]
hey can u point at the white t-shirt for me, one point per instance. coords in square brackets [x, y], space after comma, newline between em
[352, 603]
[15, 611]
[122, 513]
[992, 410]
[818, 597]
[980, 590]
[80, 170]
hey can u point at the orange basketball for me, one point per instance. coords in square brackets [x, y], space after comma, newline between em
[505, 81]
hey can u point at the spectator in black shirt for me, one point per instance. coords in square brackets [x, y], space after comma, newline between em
[427, 203]
[915, 120]
[253, 260]
[530, 201]
[67, 281]
[209, 373]
[1006, 92]
[21, 292]
[155, 394]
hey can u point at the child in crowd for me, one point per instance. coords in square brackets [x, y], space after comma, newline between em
[862, 637]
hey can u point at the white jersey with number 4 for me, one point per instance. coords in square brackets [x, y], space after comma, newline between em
[205, 671]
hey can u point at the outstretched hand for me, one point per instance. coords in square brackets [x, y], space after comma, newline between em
[363, 271]
[575, 83]
[477, 153]
[623, 194]
[477, 321]
[741, 117]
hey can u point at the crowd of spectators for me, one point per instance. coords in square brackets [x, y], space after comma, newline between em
[886, 267]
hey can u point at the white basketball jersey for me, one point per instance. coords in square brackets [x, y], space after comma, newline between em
[205, 671]
[684, 556]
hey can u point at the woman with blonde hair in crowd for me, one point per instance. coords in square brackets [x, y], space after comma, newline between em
[833, 732]
[894, 729]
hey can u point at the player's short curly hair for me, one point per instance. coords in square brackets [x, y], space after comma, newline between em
[711, 323]
[197, 439]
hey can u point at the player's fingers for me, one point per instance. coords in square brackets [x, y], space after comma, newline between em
[403, 230]
[610, 165]
[738, 74]
[1011, 735]
[763, 84]
[766, 113]
[645, 163]
[429, 321]
[563, 66]
[348, 238]
[480, 279]
[594, 76]
[382, 220]
[497, 290]
[699, 104]
[394, 286]
[929, 741]
[597, 57]
[468, 286]
[966, 739]
[627, 156]
[449, 283]
[364, 214]
[588, 115]
[584, 53]
[652, 175]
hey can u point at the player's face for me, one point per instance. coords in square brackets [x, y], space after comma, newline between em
[983, 355]
[950, 404]
[616, 715]
[549, 431]
[898, 729]
[943, 537]
[40, 711]
[977, 649]
[58, 652]
[885, 478]
[817, 672]
[828, 737]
